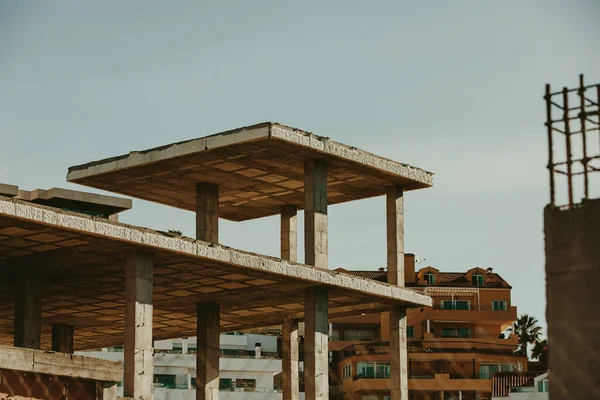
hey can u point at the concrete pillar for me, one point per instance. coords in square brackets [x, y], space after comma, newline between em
[207, 212]
[62, 338]
[398, 356]
[315, 214]
[106, 391]
[316, 351]
[207, 351]
[395, 235]
[289, 233]
[428, 326]
[28, 310]
[139, 363]
[289, 363]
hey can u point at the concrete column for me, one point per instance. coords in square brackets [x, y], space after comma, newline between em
[207, 351]
[316, 350]
[28, 311]
[398, 356]
[139, 363]
[289, 233]
[62, 338]
[315, 214]
[207, 212]
[289, 363]
[106, 391]
[395, 235]
[428, 326]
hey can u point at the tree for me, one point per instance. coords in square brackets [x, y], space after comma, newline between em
[540, 352]
[528, 331]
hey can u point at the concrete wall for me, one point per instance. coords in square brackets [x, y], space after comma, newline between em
[572, 239]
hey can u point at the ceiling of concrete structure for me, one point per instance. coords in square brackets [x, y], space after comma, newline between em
[259, 169]
[82, 262]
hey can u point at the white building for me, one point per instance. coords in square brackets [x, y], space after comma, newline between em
[539, 390]
[248, 365]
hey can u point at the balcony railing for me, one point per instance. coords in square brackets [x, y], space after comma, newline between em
[468, 307]
[371, 376]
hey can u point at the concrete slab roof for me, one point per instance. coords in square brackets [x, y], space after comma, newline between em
[76, 200]
[82, 259]
[258, 169]
[8, 190]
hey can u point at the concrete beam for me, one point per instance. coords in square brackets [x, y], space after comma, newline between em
[28, 310]
[316, 344]
[289, 360]
[207, 212]
[395, 235]
[315, 214]
[399, 355]
[289, 233]
[62, 338]
[66, 365]
[207, 351]
[139, 361]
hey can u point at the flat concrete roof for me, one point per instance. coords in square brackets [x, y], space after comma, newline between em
[258, 169]
[76, 200]
[82, 261]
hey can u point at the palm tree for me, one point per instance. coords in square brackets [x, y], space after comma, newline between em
[528, 331]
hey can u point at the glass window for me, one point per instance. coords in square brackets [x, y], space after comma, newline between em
[455, 305]
[410, 331]
[167, 381]
[543, 386]
[447, 305]
[359, 335]
[507, 367]
[373, 370]
[429, 278]
[365, 369]
[487, 370]
[347, 371]
[499, 305]
[247, 385]
[335, 335]
[387, 397]
[477, 280]
[456, 332]
[462, 305]
[225, 384]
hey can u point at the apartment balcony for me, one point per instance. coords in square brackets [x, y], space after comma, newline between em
[481, 315]
[436, 382]
[470, 341]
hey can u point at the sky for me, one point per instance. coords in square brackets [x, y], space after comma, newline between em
[453, 87]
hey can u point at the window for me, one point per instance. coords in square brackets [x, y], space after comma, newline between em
[359, 335]
[543, 386]
[225, 384]
[335, 335]
[486, 371]
[477, 280]
[373, 370]
[456, 332]
[246, 385]
[387, 397]
[410, 331]
[347, 371]
[429, 278]
[499, 305]
[455, 305]
[167, 381]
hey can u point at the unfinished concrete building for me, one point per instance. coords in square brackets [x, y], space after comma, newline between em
[572, 240]
[79, 282]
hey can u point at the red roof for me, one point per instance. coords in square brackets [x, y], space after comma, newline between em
[491, 279]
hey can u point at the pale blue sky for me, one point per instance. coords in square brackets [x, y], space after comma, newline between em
[454, 87]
